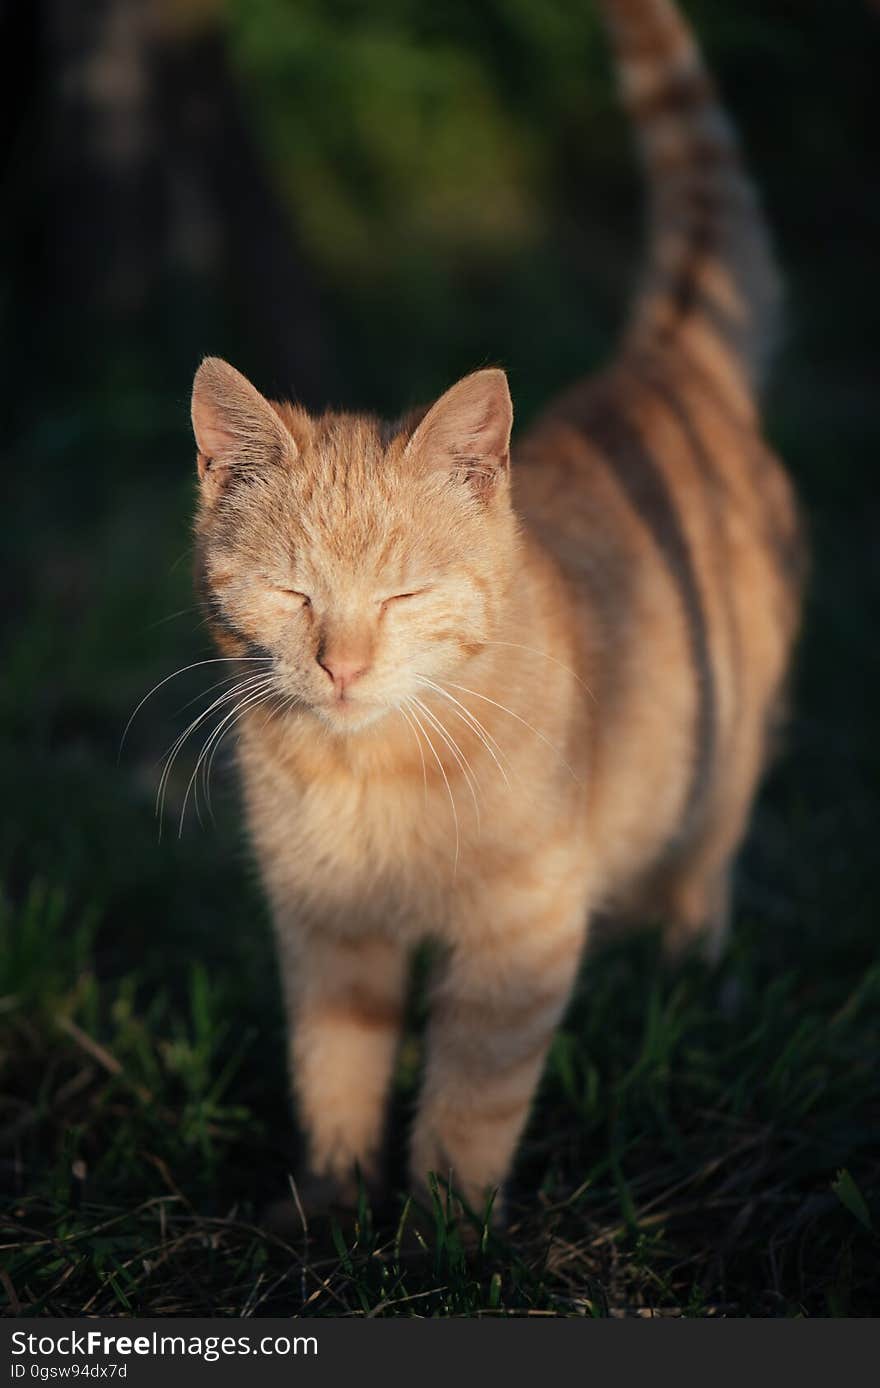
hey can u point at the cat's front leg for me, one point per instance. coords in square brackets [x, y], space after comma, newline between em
[345, 997]
[494, 1007]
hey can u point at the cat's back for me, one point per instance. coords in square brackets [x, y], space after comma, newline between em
[676, 532]
[652, 466]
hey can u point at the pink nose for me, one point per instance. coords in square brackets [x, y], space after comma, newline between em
[343, 670]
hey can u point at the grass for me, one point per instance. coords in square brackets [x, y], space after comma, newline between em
[678, 1159]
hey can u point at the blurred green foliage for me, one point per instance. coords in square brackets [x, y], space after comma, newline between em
[422, 152]
[405, 133]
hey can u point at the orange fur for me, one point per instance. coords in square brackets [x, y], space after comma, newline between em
[499, 701]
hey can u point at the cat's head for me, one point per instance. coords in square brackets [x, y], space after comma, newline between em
[362, 560]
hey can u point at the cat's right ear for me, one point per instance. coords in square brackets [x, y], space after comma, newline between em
[236, 428]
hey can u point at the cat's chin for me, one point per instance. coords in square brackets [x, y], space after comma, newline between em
[349, 715]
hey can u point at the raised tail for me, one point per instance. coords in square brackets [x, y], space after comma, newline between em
[711, 285]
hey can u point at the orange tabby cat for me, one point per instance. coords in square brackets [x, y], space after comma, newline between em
[485, 706]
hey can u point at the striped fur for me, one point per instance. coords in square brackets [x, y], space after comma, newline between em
[502, 700]
[711, 282]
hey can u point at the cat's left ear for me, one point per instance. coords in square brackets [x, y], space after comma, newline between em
[236, 428]
[467, 432]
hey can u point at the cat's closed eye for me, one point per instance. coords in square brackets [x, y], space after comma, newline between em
[399, 597]
[302, 598]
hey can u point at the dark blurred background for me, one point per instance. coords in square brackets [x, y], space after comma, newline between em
[356, 203]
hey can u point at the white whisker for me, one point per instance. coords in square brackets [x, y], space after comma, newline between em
[252, 700]
[442, 770]
[504, 709]
[464, 764]
[412, 729]
[171, 754]
[517, 645]
[215, 704]
[215, 660]
[228, 679]
[209, 749]
[210, 762]
[473, 723]
[173, 616]
[253, 697]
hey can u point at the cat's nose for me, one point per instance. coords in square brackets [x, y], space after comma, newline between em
[342, 669]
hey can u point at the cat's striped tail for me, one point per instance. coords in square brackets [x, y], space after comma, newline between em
[711, 282]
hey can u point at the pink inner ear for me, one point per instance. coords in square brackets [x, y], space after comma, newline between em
[233, 423]
[213, 440]
[471, 422]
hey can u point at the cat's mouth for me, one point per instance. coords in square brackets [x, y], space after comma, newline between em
[349, 712]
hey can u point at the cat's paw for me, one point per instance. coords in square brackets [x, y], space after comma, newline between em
[472, 1221]
[316, 1199]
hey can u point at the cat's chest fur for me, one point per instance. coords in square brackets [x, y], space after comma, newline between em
[345, 833]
